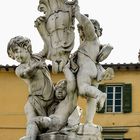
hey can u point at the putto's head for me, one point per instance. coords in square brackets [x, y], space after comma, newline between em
[18, 42]
[97, 27]
[60, 90]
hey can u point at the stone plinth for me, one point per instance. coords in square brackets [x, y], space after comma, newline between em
[70, 136]
[83, 132]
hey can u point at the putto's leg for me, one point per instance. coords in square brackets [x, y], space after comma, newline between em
[90, 110]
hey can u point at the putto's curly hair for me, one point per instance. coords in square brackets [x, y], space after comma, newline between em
[96, 25]
[61, 84]
[18, 41]
[94, 22]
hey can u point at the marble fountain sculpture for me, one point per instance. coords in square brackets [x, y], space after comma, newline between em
[51, 110]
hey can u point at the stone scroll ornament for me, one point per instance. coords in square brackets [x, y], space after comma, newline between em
[56, 28]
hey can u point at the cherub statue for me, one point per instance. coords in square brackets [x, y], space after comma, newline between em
[65, 108]
[34, 71]
[90, 72]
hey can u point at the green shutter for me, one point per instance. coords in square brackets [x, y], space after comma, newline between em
[102, 87]
[127, 98]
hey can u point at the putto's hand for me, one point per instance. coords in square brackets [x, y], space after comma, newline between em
[39, 65]
[71, 2]
[109, 74]
[39, 21]
[67, 66]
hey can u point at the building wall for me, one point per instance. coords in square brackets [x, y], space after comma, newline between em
[126, 120]
[14, 92]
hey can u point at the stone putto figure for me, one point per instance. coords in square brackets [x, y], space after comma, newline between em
[34, 71]
[89, 54]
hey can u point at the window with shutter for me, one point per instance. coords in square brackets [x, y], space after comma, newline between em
[127, 98]
[119, 98]
[114, 98]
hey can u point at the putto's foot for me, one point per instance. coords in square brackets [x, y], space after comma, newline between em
[92, 125]
[100, 101]
[89, 129]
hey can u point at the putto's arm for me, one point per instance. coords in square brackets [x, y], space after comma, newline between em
[70, 78]
[84, 21]
[27, 72]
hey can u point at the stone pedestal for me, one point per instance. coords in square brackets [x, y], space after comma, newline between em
[82, 132]
[89, 129]
[70, 136]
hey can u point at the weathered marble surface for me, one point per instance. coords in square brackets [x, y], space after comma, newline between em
[70, 136]
[53, 108]
[90, 72]
[56, 28]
